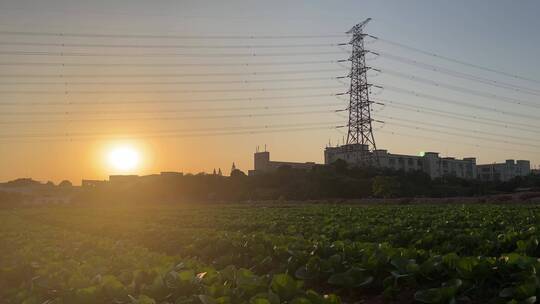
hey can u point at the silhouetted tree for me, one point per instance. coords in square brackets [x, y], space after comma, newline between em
[386, 186]
[65, 183]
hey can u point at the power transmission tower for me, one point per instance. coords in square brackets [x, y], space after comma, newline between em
[360, 129]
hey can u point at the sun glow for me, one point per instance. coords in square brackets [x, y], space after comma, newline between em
[124, 158]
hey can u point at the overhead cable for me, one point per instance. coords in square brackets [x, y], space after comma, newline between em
[161, 36]
[458, 61]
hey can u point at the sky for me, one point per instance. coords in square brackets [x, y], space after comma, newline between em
[70, 100]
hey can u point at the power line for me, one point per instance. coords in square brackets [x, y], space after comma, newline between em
[528, 139]
[170, 75]
[408, 135]
[165, 46]
[455, 102]
[67, 92]
[458, 61]
[138, 133]
[169, 65]
[458, 88]
[162, 101]
[138, 83]
[154, 36]
[162, 118]
[461, 116]
[210, 134]
[123, 55]
[165, 111]
[466, 135]
[458, 74]
[462, 135]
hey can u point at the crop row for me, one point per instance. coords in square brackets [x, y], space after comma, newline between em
[46, 264]
[430, 254]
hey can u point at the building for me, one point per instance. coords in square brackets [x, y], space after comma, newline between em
[262, 163]
[354, 154]
[92, 183]
[504, 171]
[130, 180]
[430, 162]
[171, 174]
[123, 179]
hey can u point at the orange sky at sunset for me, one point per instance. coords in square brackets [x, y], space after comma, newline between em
[195, 104]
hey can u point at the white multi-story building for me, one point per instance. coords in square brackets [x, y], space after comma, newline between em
[262, 163]
[428, 162]
[504, 171]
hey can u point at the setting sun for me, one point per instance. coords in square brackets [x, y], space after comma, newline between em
[124, 158]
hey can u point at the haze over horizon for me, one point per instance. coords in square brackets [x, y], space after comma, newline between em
[74, 102]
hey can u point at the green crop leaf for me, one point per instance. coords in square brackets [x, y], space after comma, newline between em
[265, 298]
[430, 296]
[186, 275]
[332, 299]
[466, 265]
[113, 288]
[456, 283]
[31, 300]
[229, 273]
[86, 295]
[506, 292]
[158, 289]
[315, 298]
[223, 300]
[259, 301]
[352, 278]
[450, 260]
[142, 299]
[301, 300]
[284, 286]
[171, 279]
[401, 263]
[525, 290]
[77, 280]
[306, 273]
[207, 299]
[518, 260]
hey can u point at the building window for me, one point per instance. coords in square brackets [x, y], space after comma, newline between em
[410, 161]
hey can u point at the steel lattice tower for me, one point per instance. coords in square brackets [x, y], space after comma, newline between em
[360, 129]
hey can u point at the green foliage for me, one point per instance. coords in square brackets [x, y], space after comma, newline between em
[270, 254]
[285, 286]
[386, 186]
[352, 278]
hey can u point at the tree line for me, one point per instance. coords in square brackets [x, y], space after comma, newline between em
[337, 180]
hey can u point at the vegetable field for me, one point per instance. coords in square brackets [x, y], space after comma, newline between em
[269, 254]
